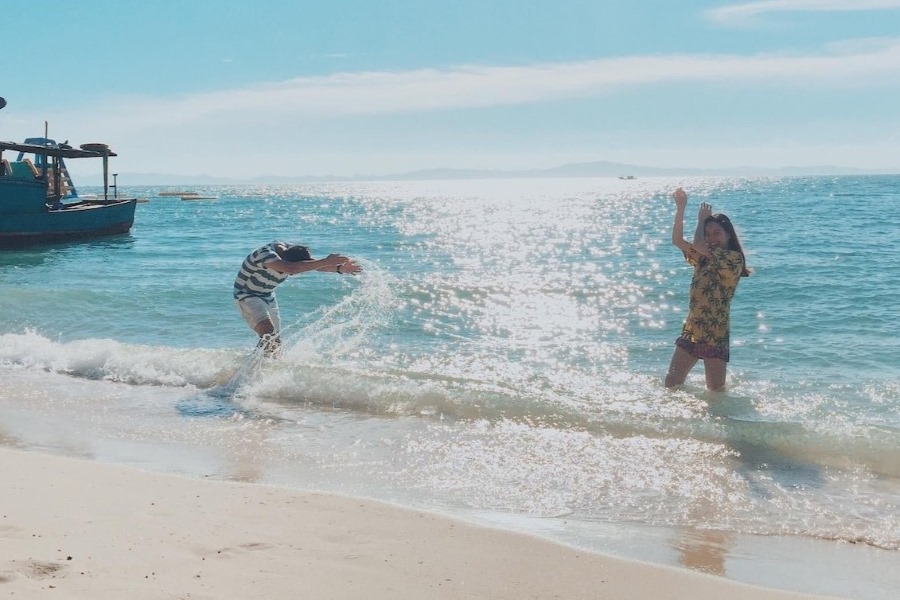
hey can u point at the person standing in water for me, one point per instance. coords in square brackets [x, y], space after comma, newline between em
[266, 268]
[719, 263]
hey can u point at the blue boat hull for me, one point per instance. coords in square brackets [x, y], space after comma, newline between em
[25, 218]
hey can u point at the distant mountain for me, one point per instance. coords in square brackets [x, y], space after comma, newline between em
[601, 168]
[154, 179]
[605, 168]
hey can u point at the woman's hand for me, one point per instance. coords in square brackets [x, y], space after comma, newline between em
[680, 198]
[704, 212]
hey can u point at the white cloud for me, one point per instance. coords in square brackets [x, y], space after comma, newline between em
[372, 93]
[736, 13]
[298, 119]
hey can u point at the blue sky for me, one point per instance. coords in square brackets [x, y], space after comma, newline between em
[346, 87]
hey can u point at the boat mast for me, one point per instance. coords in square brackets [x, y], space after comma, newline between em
[55, 185]
[106, 173]
[2, 164]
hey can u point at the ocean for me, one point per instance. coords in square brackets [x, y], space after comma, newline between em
[501, 360]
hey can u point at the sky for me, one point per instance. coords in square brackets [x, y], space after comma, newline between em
[249, 88]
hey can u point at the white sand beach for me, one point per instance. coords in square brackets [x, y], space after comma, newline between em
[71, 528]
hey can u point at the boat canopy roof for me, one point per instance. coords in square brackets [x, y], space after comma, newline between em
[64, 152]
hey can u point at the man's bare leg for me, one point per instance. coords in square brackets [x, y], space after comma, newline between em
[268, 339]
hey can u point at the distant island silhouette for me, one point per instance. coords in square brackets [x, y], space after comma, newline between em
[601, 168]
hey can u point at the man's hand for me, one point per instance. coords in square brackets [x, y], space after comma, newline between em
[350, 268]
[333, 260]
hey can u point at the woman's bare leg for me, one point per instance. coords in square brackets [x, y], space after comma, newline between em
[716, 370]
[682, 363]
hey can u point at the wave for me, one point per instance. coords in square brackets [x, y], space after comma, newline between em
[318, 373]
[106, 359]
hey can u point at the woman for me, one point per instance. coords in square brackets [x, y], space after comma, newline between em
[719, 263]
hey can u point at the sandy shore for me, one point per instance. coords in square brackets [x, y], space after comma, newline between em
[77, 529]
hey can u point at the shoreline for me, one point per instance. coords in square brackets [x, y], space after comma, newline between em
[96, 530]
[84, 423]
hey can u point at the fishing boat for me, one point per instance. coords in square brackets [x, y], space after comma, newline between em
[39, 201]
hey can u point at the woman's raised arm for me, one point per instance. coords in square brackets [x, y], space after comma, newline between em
[699, 243]
[678, 226]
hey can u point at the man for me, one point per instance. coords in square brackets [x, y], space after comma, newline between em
[264, 270]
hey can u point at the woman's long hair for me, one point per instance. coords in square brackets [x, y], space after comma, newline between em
[733, 242]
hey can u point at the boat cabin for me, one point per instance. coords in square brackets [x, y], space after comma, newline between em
[39, 170]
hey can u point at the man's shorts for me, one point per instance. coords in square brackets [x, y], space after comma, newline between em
[255, 310]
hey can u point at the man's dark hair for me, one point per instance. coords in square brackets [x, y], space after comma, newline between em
[296, 254]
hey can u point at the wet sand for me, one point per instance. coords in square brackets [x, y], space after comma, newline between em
[84, 529]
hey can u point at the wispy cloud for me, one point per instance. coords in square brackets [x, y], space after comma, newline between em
[269, 105]
[485, 86]
[739, 13]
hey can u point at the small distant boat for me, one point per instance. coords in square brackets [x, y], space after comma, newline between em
[188, 195]
[626, 177]
[198, 197]
[176, 194]
[39, 202]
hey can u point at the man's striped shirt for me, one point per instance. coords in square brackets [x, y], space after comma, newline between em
[255, 278]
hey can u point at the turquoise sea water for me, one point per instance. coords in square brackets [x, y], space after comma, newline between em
[501, 358]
